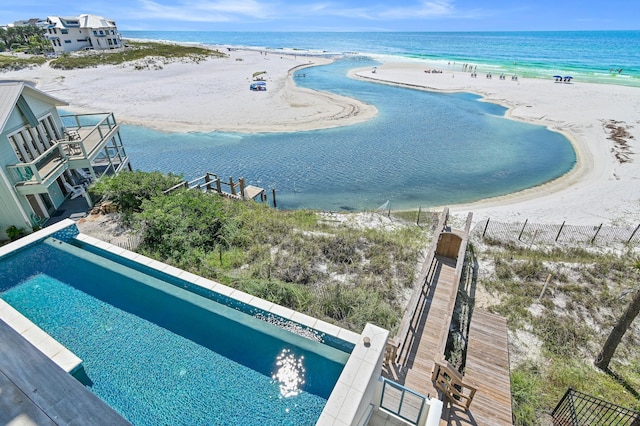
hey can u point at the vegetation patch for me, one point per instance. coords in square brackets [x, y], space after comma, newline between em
[331, 269]
[556, 334]
[135, 52]
[14, 63]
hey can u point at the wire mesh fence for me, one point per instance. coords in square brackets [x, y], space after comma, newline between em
[528, 233]
[578, 409]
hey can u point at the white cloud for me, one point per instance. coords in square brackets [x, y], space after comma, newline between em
[220, 11]
[255, 10]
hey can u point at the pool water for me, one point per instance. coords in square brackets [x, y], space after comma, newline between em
[159, 354]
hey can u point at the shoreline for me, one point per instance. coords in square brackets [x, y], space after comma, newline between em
[209, 96]
[213, 95]
[597, 189]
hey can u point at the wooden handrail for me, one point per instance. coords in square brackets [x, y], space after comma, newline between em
[400, 339]
[451, 383]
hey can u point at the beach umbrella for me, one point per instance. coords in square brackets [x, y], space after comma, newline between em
[557, 77]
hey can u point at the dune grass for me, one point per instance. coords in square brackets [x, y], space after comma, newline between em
[567, 324]
[339, 272]
[135, 51]
[11, 62]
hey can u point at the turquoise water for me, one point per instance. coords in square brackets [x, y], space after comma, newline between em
[422, 149]
[161, 355]
[586, 55]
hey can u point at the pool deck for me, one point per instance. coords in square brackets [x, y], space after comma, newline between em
[35, 391]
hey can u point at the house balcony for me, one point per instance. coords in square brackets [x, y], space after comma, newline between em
[92, 142]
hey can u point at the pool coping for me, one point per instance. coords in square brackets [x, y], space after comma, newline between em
[42, 341]
[46, 344]
[350, 400]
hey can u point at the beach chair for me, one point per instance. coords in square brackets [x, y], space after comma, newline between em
[85, 178]
[75, 191]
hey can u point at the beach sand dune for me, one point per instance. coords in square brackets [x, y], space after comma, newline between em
[602, 121]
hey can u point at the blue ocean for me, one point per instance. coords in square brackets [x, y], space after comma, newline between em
[422, 149]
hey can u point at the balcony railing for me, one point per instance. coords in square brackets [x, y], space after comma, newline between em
[86, 135]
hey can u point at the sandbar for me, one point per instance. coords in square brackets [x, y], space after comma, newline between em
[600, 120]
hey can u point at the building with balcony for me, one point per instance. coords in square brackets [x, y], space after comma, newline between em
[47, 158]
[69, 34]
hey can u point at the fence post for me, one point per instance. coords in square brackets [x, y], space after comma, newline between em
[207, 179]
[560, 230]
[241, 180]
[418, 219]
[233, 188]
[597, 232]
[218, 186]
[485, 228]
[273, 191]
[522, 231]
[633, 234]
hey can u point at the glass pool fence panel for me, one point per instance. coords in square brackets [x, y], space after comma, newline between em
[402, 402]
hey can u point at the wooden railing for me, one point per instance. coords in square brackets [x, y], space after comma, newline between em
[452, 384]
[402, 339]
[211, 182]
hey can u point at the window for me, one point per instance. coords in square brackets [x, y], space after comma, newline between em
[64, 31]
[95, 32]
[68, 41]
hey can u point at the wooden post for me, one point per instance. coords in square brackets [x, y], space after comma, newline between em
[546, 283]
[597, 232]
[241, 180]
[522, 231]
[633, 233]
[560, 230]
[233, 188]
[418, 219]
[218, 185]
[273, 192]
[485, 228]
[208, 181]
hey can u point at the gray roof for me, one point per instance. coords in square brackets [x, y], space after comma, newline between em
[10, 91]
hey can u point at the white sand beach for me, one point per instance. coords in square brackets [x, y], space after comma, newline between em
[604, 187]
[211, 95]
[214, 95]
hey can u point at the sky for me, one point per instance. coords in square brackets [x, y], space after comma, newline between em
[342, 15]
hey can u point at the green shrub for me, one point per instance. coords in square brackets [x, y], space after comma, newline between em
[129, 189]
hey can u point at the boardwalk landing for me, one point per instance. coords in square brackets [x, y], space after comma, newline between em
[487, 365]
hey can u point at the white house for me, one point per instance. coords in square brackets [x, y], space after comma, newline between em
[69, 34]
[46, 158]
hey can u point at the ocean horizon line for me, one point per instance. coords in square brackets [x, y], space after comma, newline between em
[607, 57]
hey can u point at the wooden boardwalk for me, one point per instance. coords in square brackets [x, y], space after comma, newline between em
[34, 390]
[432, 326]
[423, 336]
[488, 365]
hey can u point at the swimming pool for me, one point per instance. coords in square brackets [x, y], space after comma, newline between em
[161, 354]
